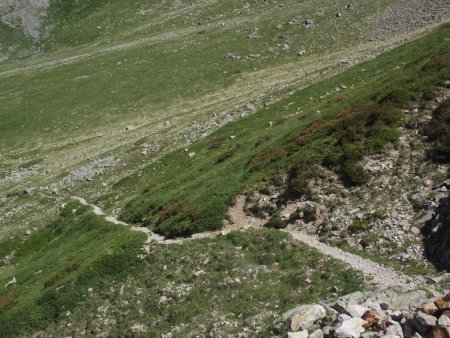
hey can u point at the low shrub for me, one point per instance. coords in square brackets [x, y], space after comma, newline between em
[276, 222]
[230, 152]
[217, 142]
[358, 226]
[264, 158]
[309, 214]
[8, 299]
[396, 96]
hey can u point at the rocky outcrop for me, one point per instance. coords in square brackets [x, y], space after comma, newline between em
[29, 13]
[437, 236]
[388, 313]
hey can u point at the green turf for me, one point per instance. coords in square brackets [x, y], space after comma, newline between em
[181, 195]
[67, 270]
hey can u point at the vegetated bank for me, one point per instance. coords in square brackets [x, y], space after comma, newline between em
[333, 124]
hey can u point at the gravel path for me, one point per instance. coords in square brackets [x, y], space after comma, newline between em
[377, 273]
[380, 274]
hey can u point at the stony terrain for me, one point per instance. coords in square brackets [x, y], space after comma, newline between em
[29, 15]
[386, 312]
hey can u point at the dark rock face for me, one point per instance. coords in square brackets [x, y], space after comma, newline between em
[437, 236]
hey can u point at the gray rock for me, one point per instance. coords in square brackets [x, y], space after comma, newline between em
[369, 335]
[394, 329]
[351, 328]
[303, 316]
[231, 56]
[444, 321]
[301, 334]
[373, 306]
[316, 334]
[343, 317]
[398, 297]
[424, 319]
[285, 47]
[415, 231]
[356, 311]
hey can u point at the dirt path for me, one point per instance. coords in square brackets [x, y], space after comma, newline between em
[239, 219]
[379, 274]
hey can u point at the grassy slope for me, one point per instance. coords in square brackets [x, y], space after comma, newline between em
[88, 249]
[74, 101]
[182, 195]
[13, 43]
[57, 265]
[152, 78]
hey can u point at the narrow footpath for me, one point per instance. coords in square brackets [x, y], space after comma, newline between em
[377, 273]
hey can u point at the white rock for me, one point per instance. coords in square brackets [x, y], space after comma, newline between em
[374, 306]
[351, 328]
[11, 282]
[394, 329]
[343, 317]
[356, 311]
[304, 316]
[301, 334]
[444, 321]
[424, 319]
[199, 273]
[139, 328]
[316, 334]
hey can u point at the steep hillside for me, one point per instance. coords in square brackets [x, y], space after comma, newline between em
[198, 168]
[314, 150]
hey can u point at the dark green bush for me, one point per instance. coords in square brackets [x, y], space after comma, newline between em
[397, 96]
[309, 214]
[358, 226]
[354, 174]
[264, 158]
[276, 222]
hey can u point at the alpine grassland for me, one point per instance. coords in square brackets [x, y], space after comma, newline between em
[158, 157]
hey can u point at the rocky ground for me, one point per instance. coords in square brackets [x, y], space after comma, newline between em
[387, 216]
[28, 15]
[389, 313]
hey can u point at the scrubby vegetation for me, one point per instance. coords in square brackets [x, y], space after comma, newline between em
[276, 222]
[121, 84]
[349, 126]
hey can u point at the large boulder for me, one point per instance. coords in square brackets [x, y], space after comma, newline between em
[351, 328]
[303, 316]
[356, 311]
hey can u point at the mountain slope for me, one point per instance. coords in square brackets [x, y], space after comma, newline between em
[82, 275]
